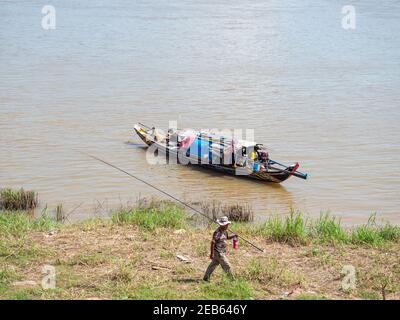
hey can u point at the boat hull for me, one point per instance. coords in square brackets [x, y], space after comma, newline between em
[266, 176]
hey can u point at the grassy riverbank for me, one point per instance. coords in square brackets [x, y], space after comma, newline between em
[134, 256]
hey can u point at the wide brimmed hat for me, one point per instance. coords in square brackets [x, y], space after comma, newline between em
[223, 221]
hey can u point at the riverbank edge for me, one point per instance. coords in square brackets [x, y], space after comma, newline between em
[156, 253]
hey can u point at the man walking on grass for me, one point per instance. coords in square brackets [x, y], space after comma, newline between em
[218, 249]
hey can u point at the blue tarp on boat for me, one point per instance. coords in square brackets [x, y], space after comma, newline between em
[199, 147]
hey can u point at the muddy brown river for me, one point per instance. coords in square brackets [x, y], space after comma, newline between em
[311, 90]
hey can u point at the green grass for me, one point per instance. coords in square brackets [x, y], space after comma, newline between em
[366, 235]
[185, 269]
[106, 270]
[223, 288]
[123, 274]
[14, 246]
[370, 295]
[25, 294]
[296, 228]
[91, 259]
[389, 232]
[291, 229]
[21, 252]
[17, 223]
[226, 289]
[328, 229]
[311, 296]
[373, 234]
[271, 272]
[17, 199]
[202, 249]
[7, 276]
[92, 224]
[148, 292]
[149, 218]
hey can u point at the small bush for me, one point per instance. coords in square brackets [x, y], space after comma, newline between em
[17, 199]
[238, 212]
[234, 211]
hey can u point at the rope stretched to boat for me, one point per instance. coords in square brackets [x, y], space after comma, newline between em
[169, 195]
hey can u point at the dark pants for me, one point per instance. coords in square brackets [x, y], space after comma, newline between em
[219, 259]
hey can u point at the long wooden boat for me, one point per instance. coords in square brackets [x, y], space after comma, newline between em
[211, 152]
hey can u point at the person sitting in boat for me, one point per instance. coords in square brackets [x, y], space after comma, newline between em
[254, 153]
[153, 134]
[263, 158]
[240, 159]
[173, 137]
[157, 136]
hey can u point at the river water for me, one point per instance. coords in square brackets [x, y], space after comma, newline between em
[313, 92]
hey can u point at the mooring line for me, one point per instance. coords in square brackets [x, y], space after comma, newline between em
[169, 195]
